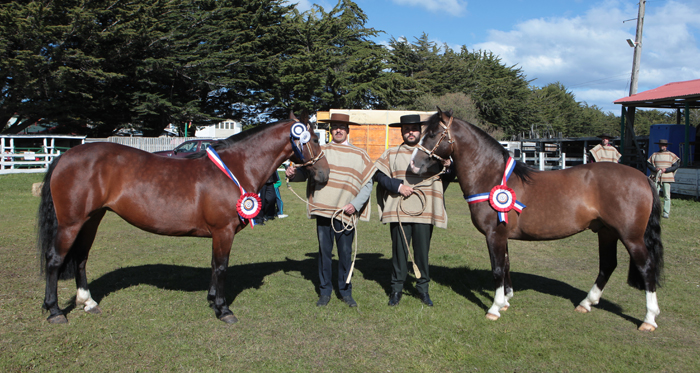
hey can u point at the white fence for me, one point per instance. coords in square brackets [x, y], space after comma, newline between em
[149, 144]
[34, 153]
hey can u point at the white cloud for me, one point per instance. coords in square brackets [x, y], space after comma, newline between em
[452, 7]
[589, 52]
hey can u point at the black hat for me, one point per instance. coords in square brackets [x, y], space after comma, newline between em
[407, 119]
[606, 136]
[663, 142]
[339, 118]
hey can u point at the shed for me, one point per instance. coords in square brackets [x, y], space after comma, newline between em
[374, 134]
[677, 95]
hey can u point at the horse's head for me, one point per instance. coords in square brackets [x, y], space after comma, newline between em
[435, 143]
[307, 150]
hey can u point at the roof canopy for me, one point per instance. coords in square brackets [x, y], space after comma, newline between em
[668, 96]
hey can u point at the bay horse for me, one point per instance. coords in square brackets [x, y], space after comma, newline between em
[615, 201]
[167, 196]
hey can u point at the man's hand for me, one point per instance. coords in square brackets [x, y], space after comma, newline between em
[447, 162]
[349, 209]
[405, 190]
[290, 172]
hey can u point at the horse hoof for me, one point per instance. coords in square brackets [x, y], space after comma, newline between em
[94, 310]
[646, 327]
[491, 316]
[58, 319]
[581, 309]
[504, 308]
[229, 319]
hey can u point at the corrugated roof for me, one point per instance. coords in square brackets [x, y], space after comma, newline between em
[669, 95]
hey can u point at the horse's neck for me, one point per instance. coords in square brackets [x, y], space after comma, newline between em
[479, 167]
[255, 159]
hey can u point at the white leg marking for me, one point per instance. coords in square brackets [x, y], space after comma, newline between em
[85, 299]
[592, 299]
[652, 309]
[499, 301]
[508, 296]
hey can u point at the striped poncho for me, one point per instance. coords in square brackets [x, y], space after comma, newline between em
[664, 159]
[395, 164]
[351, 168]
[605, 153]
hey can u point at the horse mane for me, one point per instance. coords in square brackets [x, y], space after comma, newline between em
[521, 170]
[233, 139]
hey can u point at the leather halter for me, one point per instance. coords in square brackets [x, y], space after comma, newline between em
[445, 133]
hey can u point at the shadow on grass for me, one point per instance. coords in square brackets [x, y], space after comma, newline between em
[470, 283]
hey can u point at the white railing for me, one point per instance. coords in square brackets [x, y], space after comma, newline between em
[26, 162]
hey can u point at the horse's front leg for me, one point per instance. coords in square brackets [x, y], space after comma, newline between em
[498, 249]
[221, 249]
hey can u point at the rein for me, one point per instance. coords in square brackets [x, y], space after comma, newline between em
[445, 133]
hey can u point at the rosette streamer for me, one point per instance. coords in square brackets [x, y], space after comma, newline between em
[501, 198]
[249, 204]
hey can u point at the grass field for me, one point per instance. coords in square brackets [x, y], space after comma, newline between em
[152, 291]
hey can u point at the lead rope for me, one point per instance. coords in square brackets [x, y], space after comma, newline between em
[417, 190]
[347, 225]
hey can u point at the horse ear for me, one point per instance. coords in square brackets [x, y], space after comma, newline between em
[444, 116]
[304, 117]
[292, 116]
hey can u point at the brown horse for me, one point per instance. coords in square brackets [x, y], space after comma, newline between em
[613, 200]
[167, 196]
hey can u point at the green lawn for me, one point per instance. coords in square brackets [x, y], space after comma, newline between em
[152, 291]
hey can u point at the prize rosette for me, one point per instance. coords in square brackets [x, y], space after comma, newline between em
[502, 198]
[298, 130]
[249, 205]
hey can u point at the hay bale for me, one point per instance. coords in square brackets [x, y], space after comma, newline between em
[36, 189]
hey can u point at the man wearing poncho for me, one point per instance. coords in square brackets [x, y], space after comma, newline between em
[605, 151]
[667, 163]
[400, 206]
[348, 188]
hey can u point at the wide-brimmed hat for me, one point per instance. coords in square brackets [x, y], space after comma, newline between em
[407, 119]
[606, 136]
[339, 118]
[663, 142]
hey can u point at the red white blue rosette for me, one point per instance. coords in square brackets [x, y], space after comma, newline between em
[502, 198]
[249, 205]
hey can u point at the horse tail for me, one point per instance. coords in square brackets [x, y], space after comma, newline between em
[47, 228]
[652, 240]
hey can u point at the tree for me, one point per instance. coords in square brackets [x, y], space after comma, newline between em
[330, 62]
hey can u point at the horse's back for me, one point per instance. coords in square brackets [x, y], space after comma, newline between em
[581, 197]
[149, 191]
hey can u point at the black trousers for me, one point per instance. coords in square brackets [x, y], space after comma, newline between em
[420, 234]
[343, 240]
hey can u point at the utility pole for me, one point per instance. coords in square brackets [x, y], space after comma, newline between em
[627, 135]
[637, 48]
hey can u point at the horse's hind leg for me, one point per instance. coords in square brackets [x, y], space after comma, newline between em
[607, 250]
[642, 276]
[55, 258]
[82, 247]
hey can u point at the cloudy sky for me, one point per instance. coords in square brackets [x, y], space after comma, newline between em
[581, 44]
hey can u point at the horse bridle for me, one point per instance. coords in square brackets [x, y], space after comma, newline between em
[445, 134]
[314, 158]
